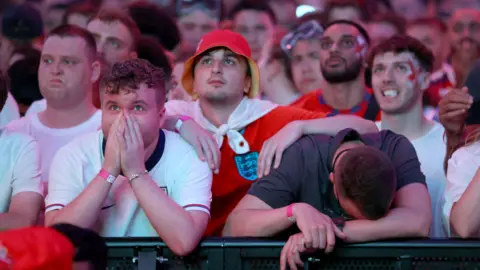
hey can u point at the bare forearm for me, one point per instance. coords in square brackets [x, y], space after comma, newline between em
[257, 223]
[332, 125]
[84, 210]
[173, 224]
[14, 220]
[465, 217]
[399, 223]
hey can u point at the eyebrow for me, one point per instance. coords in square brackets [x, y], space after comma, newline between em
[114, 39]
[396, 62]
[142, 102]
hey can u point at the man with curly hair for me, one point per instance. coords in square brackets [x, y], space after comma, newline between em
[131, 178]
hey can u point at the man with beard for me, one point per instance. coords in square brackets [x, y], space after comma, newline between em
[464, 28]
[343, 49]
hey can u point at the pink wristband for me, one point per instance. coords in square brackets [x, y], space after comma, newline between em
[290, 213]
[107, 176]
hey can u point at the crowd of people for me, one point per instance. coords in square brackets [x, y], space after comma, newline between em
[355, 121]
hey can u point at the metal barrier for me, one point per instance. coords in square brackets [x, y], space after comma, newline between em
[247, 254]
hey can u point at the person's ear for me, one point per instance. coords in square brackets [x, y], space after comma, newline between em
[96, 71]
[248, 85]
[424, 80]
[331, 176]
[161, 116]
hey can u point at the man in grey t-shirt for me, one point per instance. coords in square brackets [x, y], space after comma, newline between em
[356, 187]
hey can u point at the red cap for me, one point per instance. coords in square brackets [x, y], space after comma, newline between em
[227, 39]
[35, 248]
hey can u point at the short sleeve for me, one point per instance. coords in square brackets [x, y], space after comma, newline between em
[407, 165]
[27, 170]
[462, 167]
[192, 188]
[179, 107]
[65, 179]
[281, 187]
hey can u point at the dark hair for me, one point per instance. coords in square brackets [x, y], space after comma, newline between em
[360, 28]
[128, 75]
[153, 21]
[332, 4]
[392, 18]
[404, 43]
[112, 16]
[256, 5]
[3, 89]
[23, 76]
[86, 9]
[367, 177]
[150, 49]
[89, 246]
[431, 22]
[74, 31]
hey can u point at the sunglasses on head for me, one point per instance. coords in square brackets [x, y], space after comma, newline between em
[212, 7]
[307, 30]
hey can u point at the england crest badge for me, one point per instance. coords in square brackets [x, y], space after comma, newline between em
[247, 165]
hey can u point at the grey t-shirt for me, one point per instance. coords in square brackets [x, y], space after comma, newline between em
[303, 175]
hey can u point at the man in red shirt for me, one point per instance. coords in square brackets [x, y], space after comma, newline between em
[343, 50]
[223, 79]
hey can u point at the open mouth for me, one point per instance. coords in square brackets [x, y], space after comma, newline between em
[390, 93]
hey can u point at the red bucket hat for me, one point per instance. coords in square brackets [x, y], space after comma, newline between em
[227, 39]
[35, 249]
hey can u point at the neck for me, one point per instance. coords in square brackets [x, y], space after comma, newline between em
[411, 124]
[67, 117]
[217, 113]
[344, 96]
[462, 64]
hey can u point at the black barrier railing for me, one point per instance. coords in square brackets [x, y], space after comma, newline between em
[246, 254]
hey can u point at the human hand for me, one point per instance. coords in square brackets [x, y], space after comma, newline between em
[274, 147]
[318, 229]
[453, 109]
[205, 145]
[292, 250]
[111, 163]
[132, 151]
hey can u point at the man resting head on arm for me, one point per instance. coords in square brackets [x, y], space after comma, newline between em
[370, 185]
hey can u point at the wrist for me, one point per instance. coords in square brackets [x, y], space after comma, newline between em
[180, 121]
[110, 170]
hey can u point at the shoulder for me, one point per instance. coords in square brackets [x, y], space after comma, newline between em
[21, 125]
[174, 107]
[15, 140]
[180, 154]
[469, 153]
[37, 106]
[175, 145]
[307, 97]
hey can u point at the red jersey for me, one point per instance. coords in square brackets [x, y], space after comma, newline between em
[315, 102]
[238, 172]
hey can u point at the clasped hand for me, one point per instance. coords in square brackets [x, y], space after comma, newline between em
[124, 152]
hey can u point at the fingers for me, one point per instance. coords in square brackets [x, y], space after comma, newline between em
[322, 237]
[260, 166]
[206, 151]
[278, 157]
[454, 114]
[330, 238]
[283, 255]
[213, 148]
[266, 159]
[128, 134]
[199, 149]
[339, 232]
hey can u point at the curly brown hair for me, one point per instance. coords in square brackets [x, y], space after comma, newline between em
[3, 89]
[129, 75]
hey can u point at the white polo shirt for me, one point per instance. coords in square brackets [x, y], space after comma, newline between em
[462, 167]
[19, 166]
[179, 172]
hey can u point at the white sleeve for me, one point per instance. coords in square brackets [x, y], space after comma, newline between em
[179, 107]
[65, 179]
[9, 112]
[192, 188]
[461, 170]
[27, 170]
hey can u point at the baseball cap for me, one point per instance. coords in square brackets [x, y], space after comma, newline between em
[22, 22]
[35, 248]
[222, 39]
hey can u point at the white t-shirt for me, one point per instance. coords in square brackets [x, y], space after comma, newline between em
[9, 111]
[19, 166]
[180, 173]
[52, 139]
[462, 166]
[431, 150]
[36, 107]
